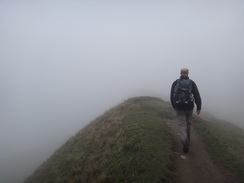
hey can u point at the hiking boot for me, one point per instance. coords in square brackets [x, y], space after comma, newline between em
[185, 149]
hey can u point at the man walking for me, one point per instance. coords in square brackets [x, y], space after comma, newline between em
[184, 93]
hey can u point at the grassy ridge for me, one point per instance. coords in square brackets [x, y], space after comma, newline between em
[129, 143]
[225, 142]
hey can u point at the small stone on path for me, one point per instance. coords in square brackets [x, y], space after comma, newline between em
[183, 157]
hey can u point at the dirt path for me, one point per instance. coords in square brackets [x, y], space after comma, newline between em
[198, 167]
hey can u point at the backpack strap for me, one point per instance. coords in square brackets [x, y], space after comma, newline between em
[190, 87]
[177, 85]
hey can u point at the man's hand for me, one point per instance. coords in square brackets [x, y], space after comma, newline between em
[198, 112]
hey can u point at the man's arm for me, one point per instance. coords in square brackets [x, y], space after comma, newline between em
[197, 97]
[172, 100]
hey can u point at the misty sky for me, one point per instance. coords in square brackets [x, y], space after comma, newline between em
[63, 63]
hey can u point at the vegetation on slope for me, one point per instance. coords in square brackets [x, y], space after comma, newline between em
[129, 143]
[225, 142]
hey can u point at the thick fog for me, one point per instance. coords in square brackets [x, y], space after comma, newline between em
[64, 63]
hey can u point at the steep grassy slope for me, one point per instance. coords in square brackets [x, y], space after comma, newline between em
[225, 142]
[129, 143]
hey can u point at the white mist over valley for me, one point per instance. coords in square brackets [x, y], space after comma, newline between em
[64, 63]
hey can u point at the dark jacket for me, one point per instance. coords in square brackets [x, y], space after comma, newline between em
[195, 93]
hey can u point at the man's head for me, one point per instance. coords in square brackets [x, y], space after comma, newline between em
[184, 72]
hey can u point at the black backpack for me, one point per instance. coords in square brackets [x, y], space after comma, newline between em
[183, 92]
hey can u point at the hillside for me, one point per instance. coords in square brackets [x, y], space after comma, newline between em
[225, 142]
[133, 142]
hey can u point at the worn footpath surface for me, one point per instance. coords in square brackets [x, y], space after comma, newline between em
[197, 166]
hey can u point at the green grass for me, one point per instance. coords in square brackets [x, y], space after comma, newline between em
[225, 142]
[129, 143]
